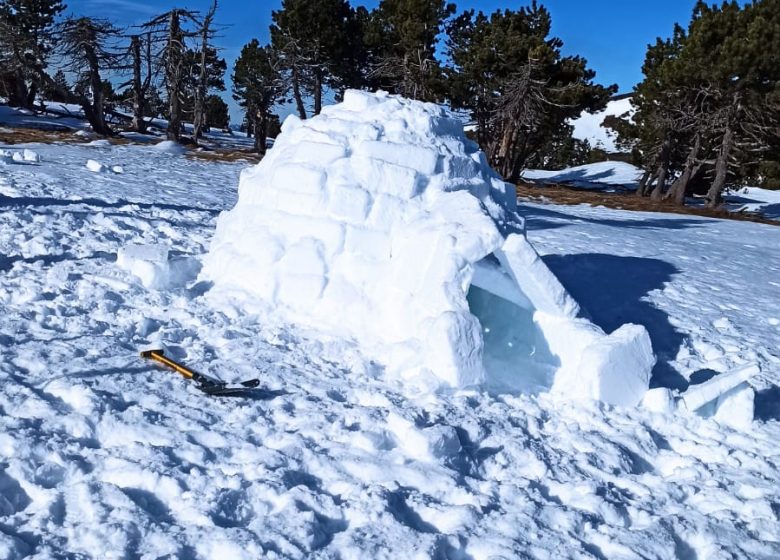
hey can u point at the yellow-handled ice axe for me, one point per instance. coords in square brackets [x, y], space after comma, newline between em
[205, 383]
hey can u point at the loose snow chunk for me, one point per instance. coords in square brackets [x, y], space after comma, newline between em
[170, 147]
[96, 166]
[736, 407]
[149, 263]
[372, 220]
[31, 156]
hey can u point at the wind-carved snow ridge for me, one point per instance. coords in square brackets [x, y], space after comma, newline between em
[379, 221]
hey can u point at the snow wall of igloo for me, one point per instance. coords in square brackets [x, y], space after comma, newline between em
[379, 221]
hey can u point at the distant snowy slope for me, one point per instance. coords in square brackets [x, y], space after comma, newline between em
[755, 199]
[591, 176]
[588, 125]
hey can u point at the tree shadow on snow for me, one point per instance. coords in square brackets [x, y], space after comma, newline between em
[16, 202]
[611, 290]
[543, 218]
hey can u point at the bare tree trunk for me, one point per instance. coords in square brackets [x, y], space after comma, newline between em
[663, 170]
[721, 169]
[199, 117]
[261, 130]
[297, 93]
[173, 75]
[94, 110]
[643, 183]
[138, 124]
[680, 186]
[317, 92]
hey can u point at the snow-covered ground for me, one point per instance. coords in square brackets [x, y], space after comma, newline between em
[107, 456]
[754, 199]
[588, 125]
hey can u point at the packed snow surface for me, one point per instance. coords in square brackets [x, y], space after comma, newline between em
[379, 221]
[107, 456]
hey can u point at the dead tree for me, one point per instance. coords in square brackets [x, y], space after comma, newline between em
[520, 113]
[168, 30]
[201, 89]
[141, 55]
[86, 45]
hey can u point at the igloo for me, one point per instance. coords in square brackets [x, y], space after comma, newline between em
[379, 221]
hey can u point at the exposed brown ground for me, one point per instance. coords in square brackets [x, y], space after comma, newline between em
[224, 155]
[561, 194]
[20, 135]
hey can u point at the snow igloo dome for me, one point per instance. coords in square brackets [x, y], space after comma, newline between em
[379, 221]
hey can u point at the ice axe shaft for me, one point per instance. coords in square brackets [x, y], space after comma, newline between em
[205, 383]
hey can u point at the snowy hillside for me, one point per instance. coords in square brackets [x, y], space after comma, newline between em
[588, 125]
[107, 456]
[591, 176]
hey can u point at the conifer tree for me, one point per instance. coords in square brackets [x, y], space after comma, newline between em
[520, 90]
[217, 113]
[402, 36]
[257, 86]
[706, 110]
[317, 47]
[26, 41]
[86, 46]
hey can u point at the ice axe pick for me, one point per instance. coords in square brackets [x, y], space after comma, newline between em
[205, 383]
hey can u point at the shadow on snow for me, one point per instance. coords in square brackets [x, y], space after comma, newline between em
[612, 290]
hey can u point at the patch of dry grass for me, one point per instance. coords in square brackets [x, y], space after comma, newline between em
[561, 194]
[224, 155]
[23, 135]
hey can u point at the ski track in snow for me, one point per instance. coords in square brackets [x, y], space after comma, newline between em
[107, 456]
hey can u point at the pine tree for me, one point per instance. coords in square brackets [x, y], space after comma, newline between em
[520, 90]
[317, 47]
[59, 89]
[217, 113]
[706, 108]
[200, 80]
[86, 46]
[257, 86]
[402, 35]
[26, 41]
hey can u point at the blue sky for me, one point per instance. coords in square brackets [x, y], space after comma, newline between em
[611, 34]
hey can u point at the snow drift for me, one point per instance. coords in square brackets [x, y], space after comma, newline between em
[379, 221]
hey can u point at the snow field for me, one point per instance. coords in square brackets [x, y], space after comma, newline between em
[368, 222]
[106, 456]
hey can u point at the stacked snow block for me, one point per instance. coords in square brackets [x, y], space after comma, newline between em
[369, 222]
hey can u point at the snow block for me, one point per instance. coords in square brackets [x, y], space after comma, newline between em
[148, 263]
[379, 221]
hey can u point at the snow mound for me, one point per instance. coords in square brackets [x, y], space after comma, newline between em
[170, 147]
[379, 221]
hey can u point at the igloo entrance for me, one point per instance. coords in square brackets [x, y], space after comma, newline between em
[515, 354]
